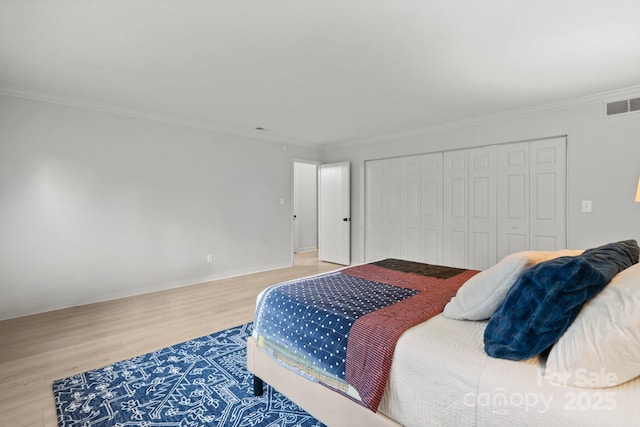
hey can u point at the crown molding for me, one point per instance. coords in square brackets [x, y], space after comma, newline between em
[497, 117]
[140, 114]
[602, 97]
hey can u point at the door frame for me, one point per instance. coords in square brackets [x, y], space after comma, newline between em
[293, 199]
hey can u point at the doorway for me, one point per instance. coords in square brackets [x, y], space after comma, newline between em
[305, 206]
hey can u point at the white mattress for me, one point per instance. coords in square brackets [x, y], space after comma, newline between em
[441, 377]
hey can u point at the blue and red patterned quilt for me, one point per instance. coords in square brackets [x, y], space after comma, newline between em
[341, 327]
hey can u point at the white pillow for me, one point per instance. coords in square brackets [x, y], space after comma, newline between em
[481, 295]
[601, 348]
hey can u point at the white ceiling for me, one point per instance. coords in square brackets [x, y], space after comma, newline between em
[318, 71]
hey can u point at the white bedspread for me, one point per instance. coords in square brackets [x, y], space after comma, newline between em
[527, 399]
[441, 377]
[436, 363]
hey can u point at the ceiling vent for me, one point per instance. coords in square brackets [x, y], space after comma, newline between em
[622, 107]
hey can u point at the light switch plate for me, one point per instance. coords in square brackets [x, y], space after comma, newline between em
[586, 206]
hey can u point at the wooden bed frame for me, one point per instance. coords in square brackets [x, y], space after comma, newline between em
[327, 406]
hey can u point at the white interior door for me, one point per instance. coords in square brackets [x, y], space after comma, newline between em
[334, 213]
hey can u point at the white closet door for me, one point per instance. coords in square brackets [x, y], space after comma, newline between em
[456, 213]
[392, 208]
[432, 210]
[513, 198]
[482, 208]
[468, 208]
[532, 196]
[411, 167]
[374, 236]
[548, 194]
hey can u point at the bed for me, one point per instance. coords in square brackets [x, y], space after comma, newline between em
[448, 365]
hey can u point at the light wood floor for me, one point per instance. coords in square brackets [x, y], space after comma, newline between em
[36, 350]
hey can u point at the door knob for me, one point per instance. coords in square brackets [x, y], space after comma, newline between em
[345, 219]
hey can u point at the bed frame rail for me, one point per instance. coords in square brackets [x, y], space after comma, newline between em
[329, 407]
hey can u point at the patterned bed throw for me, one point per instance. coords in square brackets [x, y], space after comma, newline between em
[344, 325]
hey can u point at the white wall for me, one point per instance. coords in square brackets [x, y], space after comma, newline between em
[603, 166]
[95, 206]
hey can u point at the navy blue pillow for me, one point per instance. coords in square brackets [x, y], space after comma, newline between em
[545, 299]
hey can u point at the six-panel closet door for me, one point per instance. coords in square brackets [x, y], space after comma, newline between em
[470, 208]
[531, 196]
[393, 212]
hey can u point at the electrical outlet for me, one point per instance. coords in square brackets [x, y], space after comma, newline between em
[210, 258]
[586, 206]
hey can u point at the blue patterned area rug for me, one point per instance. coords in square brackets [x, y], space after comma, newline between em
[203, 382]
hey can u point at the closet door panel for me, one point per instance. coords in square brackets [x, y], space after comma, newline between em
[412, 177]
[432, 208]
[482, 208]
[548, 194]
[512, 198]
[373, 216]
[393, 200]
[456, 212]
